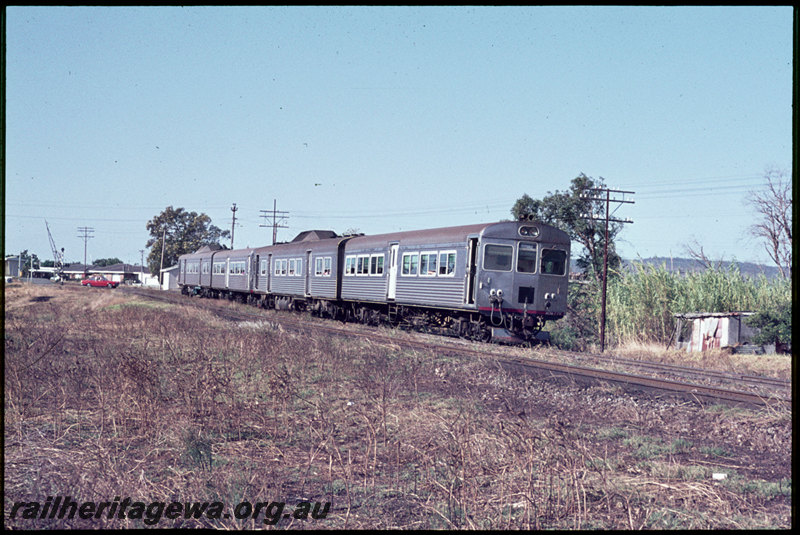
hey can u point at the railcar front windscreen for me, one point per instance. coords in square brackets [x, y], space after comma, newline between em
[526, 257]
[497, 257]
[554, 262]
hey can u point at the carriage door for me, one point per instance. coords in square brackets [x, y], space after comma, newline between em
[392, 271]
[270, 275]
[255, 269]
[472, 252]
[308, 272]
[227, 272]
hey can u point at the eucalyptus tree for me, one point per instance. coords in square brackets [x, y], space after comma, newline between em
[177, 232]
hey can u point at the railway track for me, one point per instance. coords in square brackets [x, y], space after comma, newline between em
[693, 384]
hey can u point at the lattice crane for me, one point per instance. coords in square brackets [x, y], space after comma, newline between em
[58, 256]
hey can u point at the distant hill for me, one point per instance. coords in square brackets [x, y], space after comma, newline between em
[689, 265]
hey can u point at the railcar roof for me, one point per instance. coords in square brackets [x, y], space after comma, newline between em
[436, 235]
[218, 253]
[302, 246]
[501, 229]
[455, 234]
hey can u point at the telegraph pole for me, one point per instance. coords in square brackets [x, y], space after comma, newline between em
[141, 267]
[233, 223]
[163, 246]
[277, 219]
[86, 231]
[604, 195]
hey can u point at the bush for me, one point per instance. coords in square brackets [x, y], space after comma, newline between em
[775, 324]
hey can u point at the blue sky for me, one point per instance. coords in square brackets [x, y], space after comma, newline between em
[390, 118]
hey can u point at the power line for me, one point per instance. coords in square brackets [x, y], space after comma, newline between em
[608, 200]
[278, 217]
[233, 223]
[86, 237]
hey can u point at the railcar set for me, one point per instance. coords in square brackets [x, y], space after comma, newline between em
[494, 281]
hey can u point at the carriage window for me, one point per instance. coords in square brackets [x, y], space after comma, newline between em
[554, 262]
[237, 268]
[526, 257]
[497, 257]
[322, 266]
[376, 265]
[447, 263]
[410, 263]
[263, 267]
[363, 265]
[427, 264]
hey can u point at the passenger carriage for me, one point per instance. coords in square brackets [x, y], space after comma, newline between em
[299, 272]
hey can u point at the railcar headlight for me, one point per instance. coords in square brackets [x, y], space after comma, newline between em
[499, 293]
[529, 231]
[492, 292]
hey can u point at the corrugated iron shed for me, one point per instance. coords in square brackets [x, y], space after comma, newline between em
[710, 330]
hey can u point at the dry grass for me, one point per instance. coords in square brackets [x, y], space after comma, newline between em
[108, 396]
[775, 365]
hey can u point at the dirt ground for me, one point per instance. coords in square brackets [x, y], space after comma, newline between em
[106, 395]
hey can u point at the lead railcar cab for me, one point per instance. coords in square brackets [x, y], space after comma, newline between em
[522, 277]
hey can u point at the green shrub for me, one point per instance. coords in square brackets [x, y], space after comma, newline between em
[775, 324]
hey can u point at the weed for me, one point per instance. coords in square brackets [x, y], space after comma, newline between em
[680, 445]
[646, 447]
[715, 451]
[611, 433]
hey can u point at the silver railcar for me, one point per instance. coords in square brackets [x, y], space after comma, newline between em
[500, 280]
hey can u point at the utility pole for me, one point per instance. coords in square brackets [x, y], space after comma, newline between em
[141, 267]
[604, 195]
[277, 218]
[233, 223]
[163, 246]
[85, 231]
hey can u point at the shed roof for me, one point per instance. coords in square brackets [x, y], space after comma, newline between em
[207, 248]
[697, 315]
[313, 235]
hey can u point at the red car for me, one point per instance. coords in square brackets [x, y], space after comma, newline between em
[99, 281]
